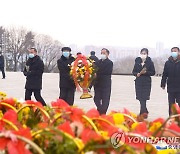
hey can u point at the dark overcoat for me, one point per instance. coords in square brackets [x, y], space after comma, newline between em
[33, 71]
[171, 75]
[143, 83]
[66, 80]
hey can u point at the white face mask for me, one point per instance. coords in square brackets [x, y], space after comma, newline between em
[103, 57]
[143, 57]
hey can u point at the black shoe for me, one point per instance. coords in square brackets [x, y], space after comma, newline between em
[3, 78]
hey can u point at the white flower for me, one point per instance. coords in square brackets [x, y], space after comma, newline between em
[80, 61]
[72, 63]
[77, 127]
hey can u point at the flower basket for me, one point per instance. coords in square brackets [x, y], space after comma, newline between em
[83, 73]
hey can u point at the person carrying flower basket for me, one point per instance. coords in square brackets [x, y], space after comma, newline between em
[83, 73]
[102, 87]
[66, 84]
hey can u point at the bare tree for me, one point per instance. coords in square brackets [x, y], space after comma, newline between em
[19, 40]
[49, 50]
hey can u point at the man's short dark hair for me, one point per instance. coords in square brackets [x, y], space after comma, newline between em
[66, 49]
[144, 49]
[34, 49]
[175, 48]
[92, 53]
[106, 50]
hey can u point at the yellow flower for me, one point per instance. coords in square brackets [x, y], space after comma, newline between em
[155, 126]
[79, 143]
[167, 151]
[134, 125]
[26, 110]
[1, 114]
[2, 95]
[118, 118]
[104, 134]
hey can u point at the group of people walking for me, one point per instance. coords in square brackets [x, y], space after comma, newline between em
[143, 70]
[102, 85]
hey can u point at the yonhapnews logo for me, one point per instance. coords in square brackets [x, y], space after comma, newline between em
[119, 138]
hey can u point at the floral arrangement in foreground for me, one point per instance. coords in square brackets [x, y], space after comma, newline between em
[82, 72]
[29, 127]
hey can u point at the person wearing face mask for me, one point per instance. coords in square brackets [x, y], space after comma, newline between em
[2, 65]
[33, 71]
[143, 70]
[102, 86]
[171, 77]
[66, 84]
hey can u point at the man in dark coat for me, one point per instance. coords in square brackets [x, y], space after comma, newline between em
[102, 87]
[33, 71]
[171, 76]
[2, 65]
[143, 70]
[66, 85]
[95, 59]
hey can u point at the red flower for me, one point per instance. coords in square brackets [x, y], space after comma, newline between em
[17, 148]
[174, 127]
[65, 127]
[161, 120]
[126, 111]
[176, 109]
[10, 101]
[76, 114]
[108, 118]
[92, 113]
[29, 102]
[60, 103]
[23, 132]
[14, 146]
[88, 135]
[11, 115]
[42, 125]
[142, 129]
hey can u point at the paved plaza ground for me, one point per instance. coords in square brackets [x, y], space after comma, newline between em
[123, 93]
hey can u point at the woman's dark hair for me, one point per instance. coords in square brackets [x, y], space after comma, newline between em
[175, 48]
[106, 50]
[66, 49]
[34, 49]
[144, 49]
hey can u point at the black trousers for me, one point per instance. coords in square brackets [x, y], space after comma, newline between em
[3, 72]
[143, 107]
[173, 98]
[67, 94]
[37, 95]
[102, 98]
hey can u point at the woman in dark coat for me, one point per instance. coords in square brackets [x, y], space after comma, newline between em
[143, 70]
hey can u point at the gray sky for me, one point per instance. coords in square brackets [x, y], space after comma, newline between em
[130, 23]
